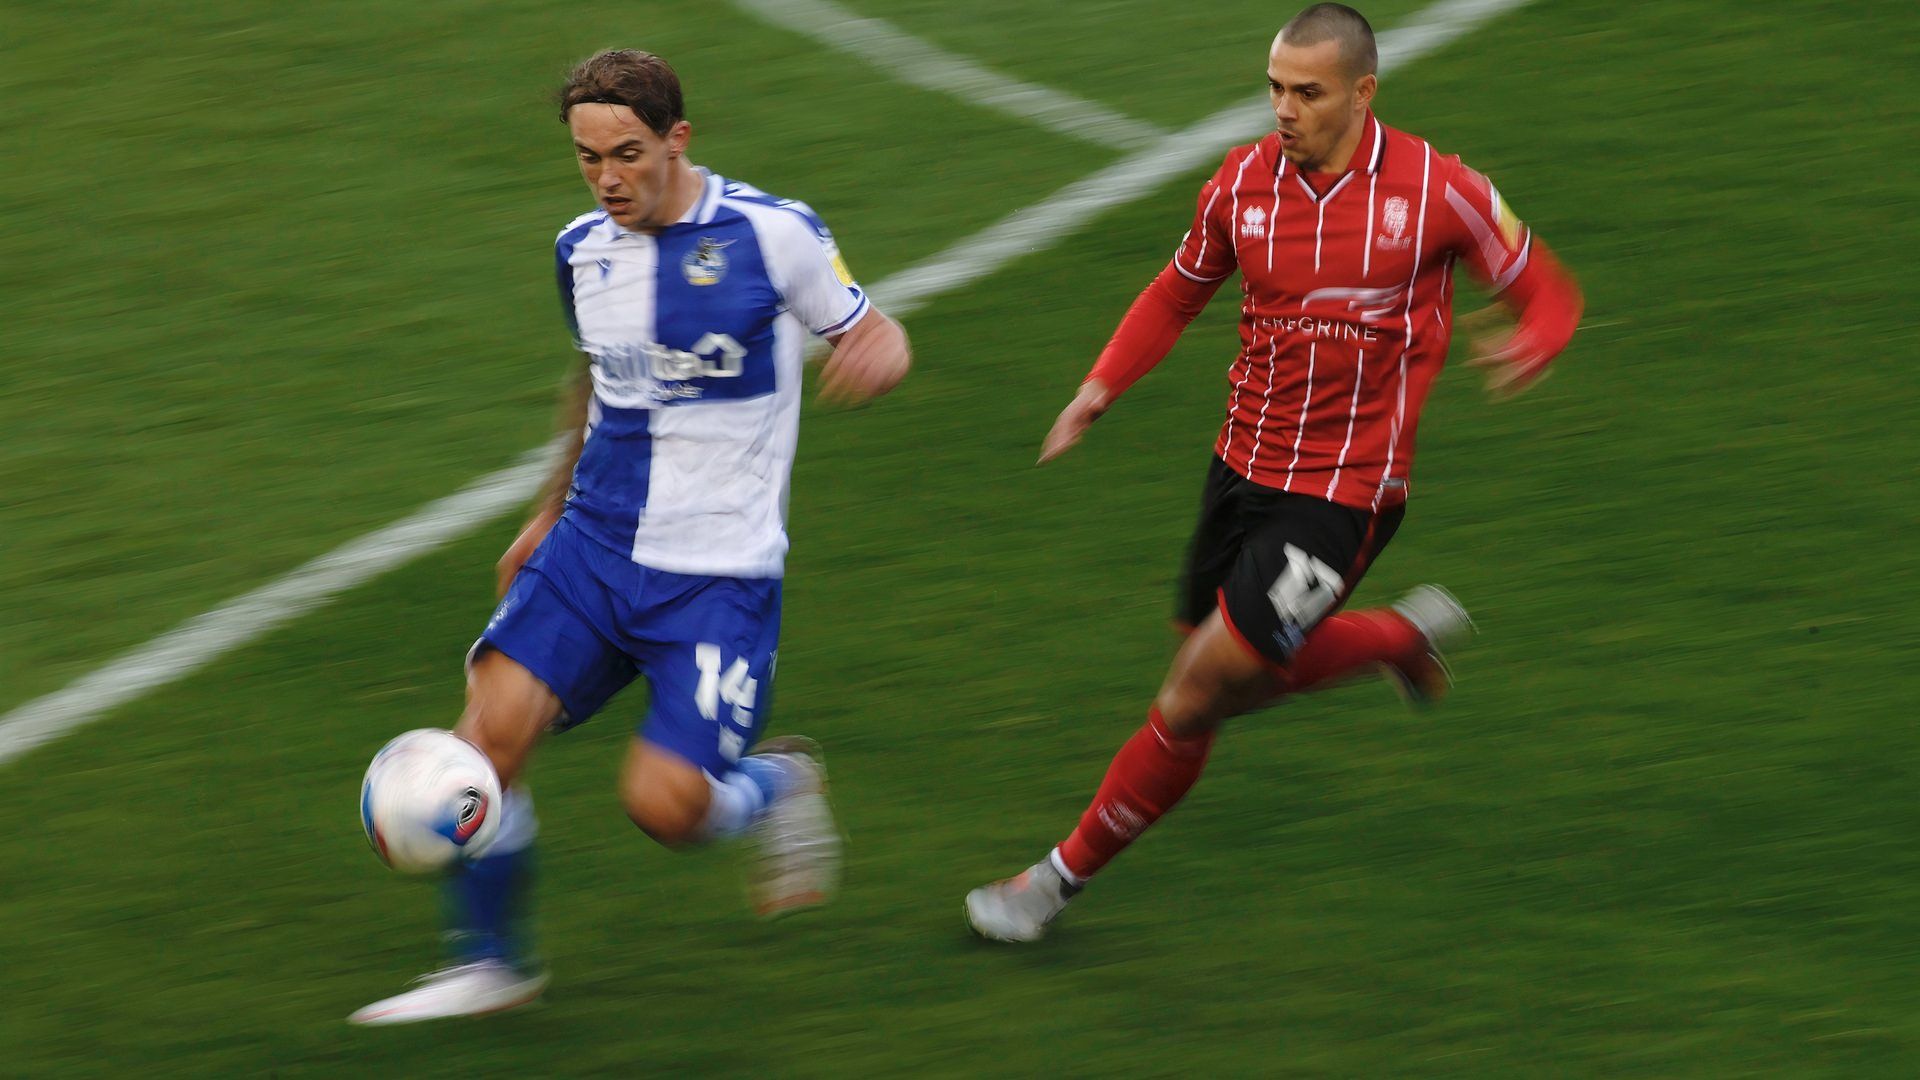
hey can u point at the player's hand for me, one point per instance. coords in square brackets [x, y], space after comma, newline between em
[522, 549]
[867, 361]
[1508, 354]
[1079, 415]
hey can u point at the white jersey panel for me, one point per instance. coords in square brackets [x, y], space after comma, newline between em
[695, 338]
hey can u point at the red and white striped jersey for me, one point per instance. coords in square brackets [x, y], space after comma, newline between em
[1345, 313]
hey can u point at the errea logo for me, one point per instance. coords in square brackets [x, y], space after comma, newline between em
[1253, 224]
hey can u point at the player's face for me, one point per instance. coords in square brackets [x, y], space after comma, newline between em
[1317, 106]
[628, 165]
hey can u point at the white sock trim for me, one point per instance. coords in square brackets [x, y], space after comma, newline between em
[1060, 867]
[735, 805]
[518, 824]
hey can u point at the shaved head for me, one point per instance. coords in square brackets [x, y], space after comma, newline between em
[1338, 23]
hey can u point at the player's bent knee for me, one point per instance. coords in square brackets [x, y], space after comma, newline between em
[1214, 678]
[669, 820]
[1185, 711]
[507, 710]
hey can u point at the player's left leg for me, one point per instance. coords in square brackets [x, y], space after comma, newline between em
[776, 794]
[688, 779]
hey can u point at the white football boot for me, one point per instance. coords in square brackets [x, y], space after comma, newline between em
[1424, 679]
[798, 864]
[487, 986]
[1019, 908]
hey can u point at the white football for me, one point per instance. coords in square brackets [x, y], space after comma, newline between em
[430, 799]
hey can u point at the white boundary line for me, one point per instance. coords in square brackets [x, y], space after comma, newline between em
[205, 638]
[919, 63]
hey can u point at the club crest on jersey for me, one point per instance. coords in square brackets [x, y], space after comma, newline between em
[1393, 225]
[1253, 224]
[706, 264]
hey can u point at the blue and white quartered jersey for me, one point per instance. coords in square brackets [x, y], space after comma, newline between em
[695, 336]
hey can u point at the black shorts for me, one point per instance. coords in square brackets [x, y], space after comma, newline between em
[1276, 562]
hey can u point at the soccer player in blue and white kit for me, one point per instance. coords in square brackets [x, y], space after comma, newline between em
[659, 545]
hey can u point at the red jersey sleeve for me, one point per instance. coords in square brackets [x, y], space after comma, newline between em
[1204, 259]
[1504, 255]
[1486, 232]
[1206, 252]
[1150, 328]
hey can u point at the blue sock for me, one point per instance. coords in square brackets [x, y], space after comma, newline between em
[487, 899]
[744, 794]
[773, 774]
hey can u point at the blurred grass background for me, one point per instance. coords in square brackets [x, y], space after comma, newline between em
[273, 276]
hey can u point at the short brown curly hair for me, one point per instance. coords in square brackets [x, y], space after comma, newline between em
[639, 80]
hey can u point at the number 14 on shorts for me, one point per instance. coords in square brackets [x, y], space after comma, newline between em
[734, 688]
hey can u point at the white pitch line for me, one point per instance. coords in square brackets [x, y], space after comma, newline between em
[1029, 230]
[919, 63]
[207, 637]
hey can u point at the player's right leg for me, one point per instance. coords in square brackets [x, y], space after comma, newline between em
[1212, 678]
[541, 664]
[1260, 585]
[490, 969]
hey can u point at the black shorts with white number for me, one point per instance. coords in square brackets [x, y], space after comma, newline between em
[1278, 562]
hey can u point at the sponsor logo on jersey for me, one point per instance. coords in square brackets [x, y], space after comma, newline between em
[706, 264]
[606, 267]
[660, 373]
[1362, 312]
[1393, 225]
[1253, 224]
[1372, 305]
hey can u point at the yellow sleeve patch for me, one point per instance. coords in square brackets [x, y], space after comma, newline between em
[1505, 220]
[840, 268]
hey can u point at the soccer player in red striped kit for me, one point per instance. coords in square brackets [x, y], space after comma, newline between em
[1346, 234]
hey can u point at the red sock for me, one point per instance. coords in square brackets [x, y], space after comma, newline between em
[1148, 776]
[1349, 642]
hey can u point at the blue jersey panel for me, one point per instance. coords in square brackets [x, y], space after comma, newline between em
[715, 302]
[614, 474]
[563, 270]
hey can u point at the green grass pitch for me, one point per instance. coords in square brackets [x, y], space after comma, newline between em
[275, 275]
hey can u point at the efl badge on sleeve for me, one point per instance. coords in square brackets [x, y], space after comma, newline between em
[1505, 220]
[706, 264]
[840, 269]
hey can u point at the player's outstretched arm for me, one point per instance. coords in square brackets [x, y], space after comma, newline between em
[1143, 339]
[1481, 228]
[553, 494]
[1074, 420]
[868, 360]
[1545, 304]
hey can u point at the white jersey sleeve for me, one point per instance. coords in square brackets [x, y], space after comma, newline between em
[804, 264]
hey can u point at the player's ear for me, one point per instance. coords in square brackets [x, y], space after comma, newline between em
[1364, 88]
[678, 136]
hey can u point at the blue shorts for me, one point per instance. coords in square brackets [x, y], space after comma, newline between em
[585, 620]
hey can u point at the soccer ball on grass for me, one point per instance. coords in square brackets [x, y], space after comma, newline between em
[430, 799]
